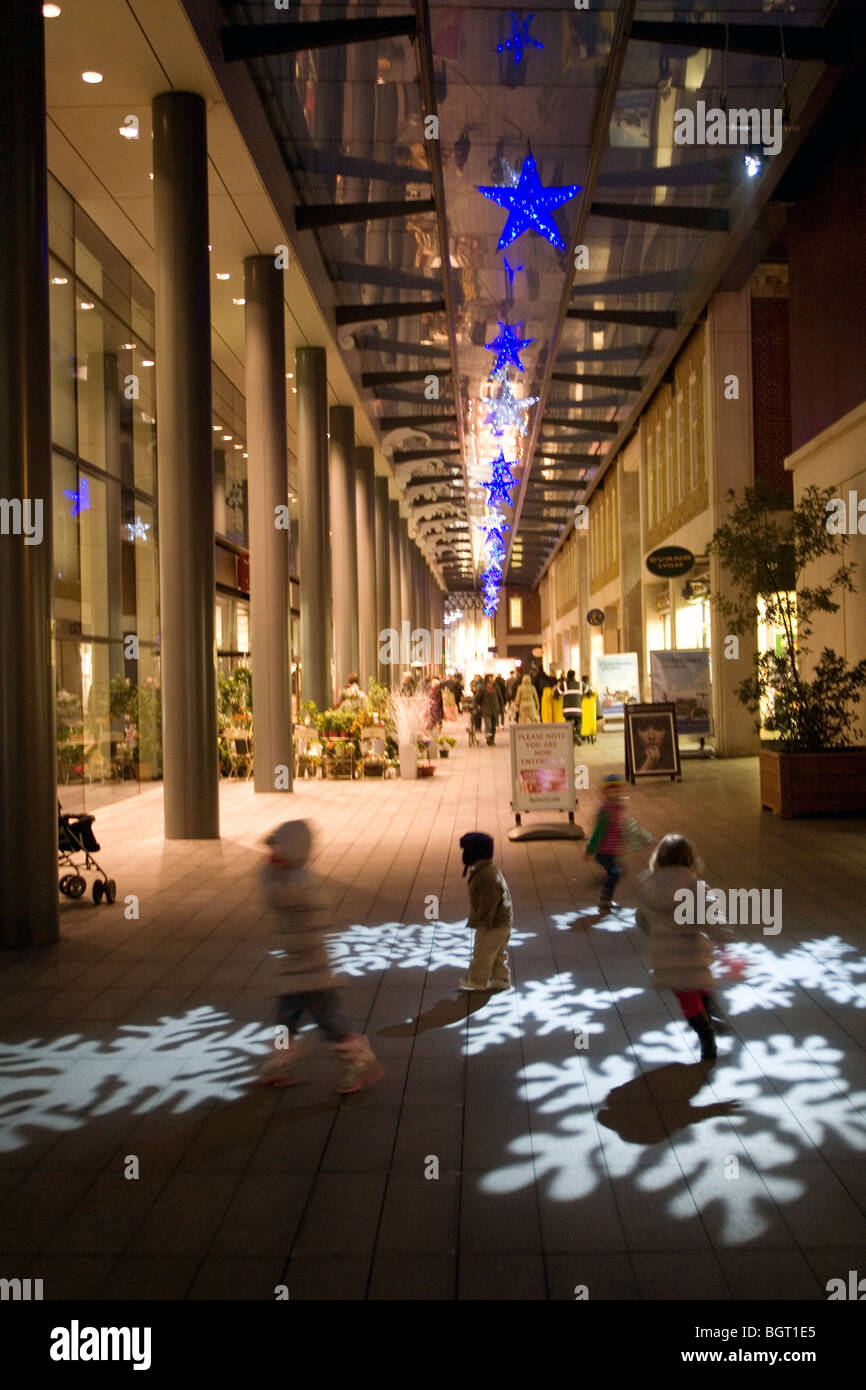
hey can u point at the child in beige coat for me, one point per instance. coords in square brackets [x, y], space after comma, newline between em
[490, 916]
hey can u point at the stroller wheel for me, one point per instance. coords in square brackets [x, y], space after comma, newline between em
[97, 890]
[77, 886]
[63, 885]
[110, 890]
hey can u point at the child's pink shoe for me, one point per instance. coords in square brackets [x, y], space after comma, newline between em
[362, 1070]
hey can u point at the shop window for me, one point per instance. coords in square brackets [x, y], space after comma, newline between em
[515, 613]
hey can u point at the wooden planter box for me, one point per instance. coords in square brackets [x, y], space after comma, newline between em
[341, 769]
[812, 784]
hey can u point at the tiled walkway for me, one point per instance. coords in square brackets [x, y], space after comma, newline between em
[556, 1136]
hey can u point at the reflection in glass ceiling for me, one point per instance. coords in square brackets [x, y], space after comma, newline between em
[594, 101]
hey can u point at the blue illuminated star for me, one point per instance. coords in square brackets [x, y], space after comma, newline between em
[511, 271]
[81, 499]
[501, 480]
[520, 39]
[530, 206]
[507, 346]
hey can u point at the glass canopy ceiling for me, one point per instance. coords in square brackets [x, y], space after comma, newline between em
[593, 96]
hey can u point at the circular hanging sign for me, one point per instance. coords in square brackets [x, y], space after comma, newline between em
[595, 617]
[670, 561]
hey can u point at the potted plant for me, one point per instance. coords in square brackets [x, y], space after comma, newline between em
[766, 547]
[340, 758]
[408, 717]
[446, 743]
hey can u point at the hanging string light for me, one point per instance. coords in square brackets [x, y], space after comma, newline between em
[506, 412]
[520, 39]
[501, 481]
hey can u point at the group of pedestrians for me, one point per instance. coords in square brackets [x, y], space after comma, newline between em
[681, 954]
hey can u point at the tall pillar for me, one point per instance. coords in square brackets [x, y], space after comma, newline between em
[28, 805]
[313, 493]
[365, 516]
[344, 542]
[383, 576]
[267, 491]
[406, 605]
[185, 467]
[395, 603]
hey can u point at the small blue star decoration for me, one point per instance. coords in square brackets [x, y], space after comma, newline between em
[520, 39]
[530, 206]
[81, 499]
[507, 346]
[501, 481]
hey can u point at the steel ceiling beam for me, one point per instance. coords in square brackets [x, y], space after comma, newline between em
[242, 42]
[434, 154]
[310, 216]
[349, 313]
[399, 422]
[384, 276]
[583, 426]
[372, 379]
[393, 347]
[835, 44]
[632, 318]
[694, 219]
[416, 455]
[622, 383]
[598, 146]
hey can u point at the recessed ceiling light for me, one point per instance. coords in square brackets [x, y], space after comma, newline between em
[91, 77]
[59, 280]
[294, 390]
[239, 446]
[246, 456]
[148, 362]
[217, 427]
[85, 304]
[50, 11]
[227, 436]
[223, 275]
[290, 376]
[150, 176]
[239, 301]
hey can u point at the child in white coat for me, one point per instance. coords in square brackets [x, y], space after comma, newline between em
[681, 952]
[307, 984]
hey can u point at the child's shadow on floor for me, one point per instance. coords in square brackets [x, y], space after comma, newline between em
[440, 1016]
[634, 1111]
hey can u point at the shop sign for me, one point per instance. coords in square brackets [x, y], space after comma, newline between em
[595, 617]
[670, 561]
[542, 767]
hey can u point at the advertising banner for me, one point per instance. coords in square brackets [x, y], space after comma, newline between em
[542, 767]
[617, 682]
[683, 679]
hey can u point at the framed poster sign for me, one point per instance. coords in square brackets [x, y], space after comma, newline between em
[682, 678]
[542, 768]
[617, 683]
[651, 745]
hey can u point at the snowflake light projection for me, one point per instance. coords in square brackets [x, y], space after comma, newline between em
[508, 346]
[519, 40]
[609, 1099]
[80, 497]
[530, 206]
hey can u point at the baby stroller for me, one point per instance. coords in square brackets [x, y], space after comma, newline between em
[74, 838]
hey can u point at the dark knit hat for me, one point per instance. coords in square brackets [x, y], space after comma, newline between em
[475, 846]
[291, 842]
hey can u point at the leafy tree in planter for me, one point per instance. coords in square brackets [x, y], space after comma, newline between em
[765, 547]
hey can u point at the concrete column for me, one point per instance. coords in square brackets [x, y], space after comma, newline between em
[383, 574]
[729, 440]
[344, 542]
[267, 492]
[584, 628]
[631, 566]
[313, 493]
[395, 604]
[365, 517]
[406, 605]
[28, 805]
[185, 464]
